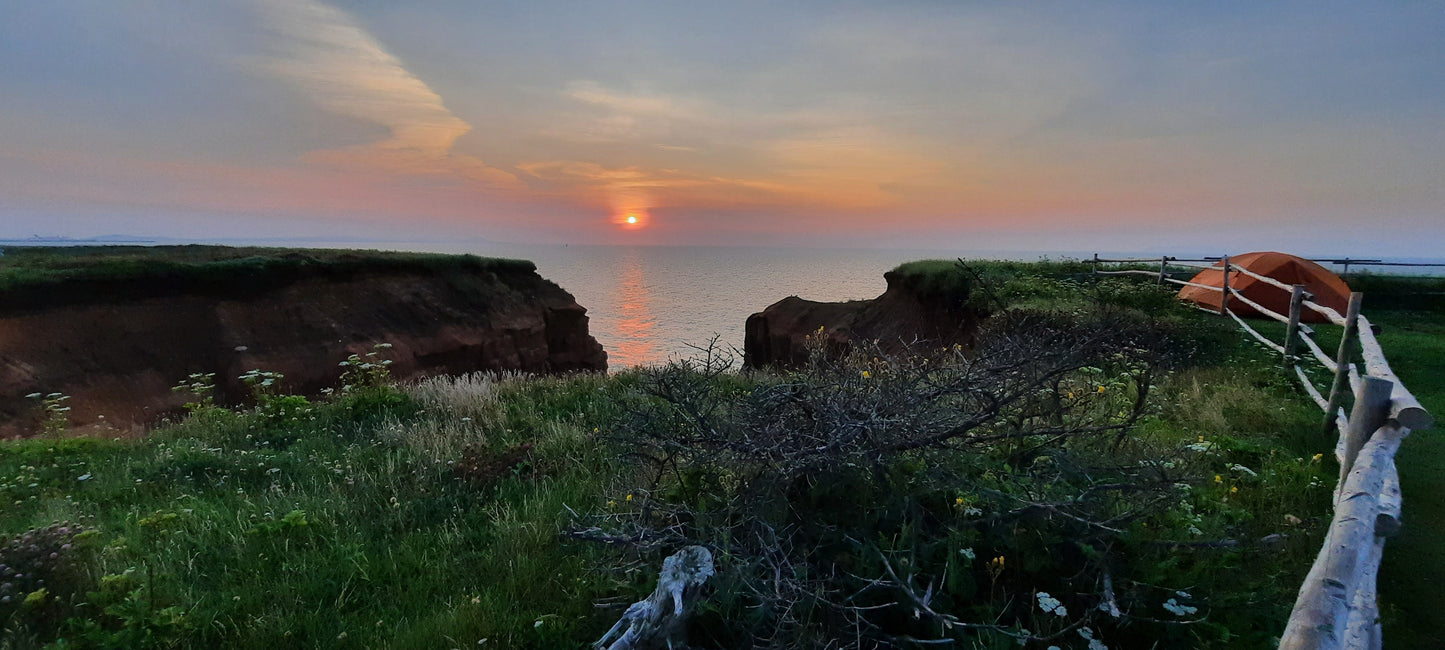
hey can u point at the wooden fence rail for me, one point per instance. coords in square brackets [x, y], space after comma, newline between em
[1337, 606]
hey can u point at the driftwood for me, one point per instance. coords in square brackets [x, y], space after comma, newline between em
[660, 620]
[1342, 359]
[1404, 407]
[1336, 607]
[1372, 408]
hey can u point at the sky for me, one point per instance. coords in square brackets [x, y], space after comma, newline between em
[1312, 127]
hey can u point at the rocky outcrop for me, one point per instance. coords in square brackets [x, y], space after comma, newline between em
[915, 310]
[118, 348]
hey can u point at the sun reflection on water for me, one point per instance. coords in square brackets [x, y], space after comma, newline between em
[633, 302]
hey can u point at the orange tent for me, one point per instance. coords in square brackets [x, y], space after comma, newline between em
[1328, 289]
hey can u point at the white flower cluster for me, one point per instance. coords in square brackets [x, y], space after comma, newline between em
[1178, 609]
[1088, 634]
[1051, 605]
[1242, 470]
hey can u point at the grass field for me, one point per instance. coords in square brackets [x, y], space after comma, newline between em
[443, 514]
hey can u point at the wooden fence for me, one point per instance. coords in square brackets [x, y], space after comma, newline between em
[1336, 607]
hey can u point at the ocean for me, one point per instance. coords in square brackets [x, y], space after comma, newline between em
[650, 304]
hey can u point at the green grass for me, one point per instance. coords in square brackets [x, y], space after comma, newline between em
[421, 518]
[47, 276]
[338, 527]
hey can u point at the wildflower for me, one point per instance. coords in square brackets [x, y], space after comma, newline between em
[1177, 609]
[612, 503]
[476, 600]
[1201, 438]
[865, 374]
[1316, 458]
[968, 553]
[629, 497]
[1071, 394]
[1051, 605]
[958, 501]
[1101, 389]
[1234, 489]
[1218, 478]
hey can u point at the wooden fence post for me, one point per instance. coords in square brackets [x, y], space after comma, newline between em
[1224, 296]
[1291, 332]
[1342, 360]
[1096, 263]
[1371, 411]
[1163, 267]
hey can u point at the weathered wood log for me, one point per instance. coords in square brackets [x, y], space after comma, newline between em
[1224, 294]
[1319, 354]
[1262, 278]
[1263, 311]
[1362, 630]
[1343, 358]
[1291, 332]
[1371, 411]
[1331, 315]
[1387, 522]
[1329, 600]
[1257, 336]
[1403, 406]
[660, 620]
[1314, 393]
[1195, 284]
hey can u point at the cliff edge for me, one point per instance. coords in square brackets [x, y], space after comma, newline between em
[118, 334]
[922, 305]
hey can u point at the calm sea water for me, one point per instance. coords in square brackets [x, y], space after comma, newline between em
[649, 304]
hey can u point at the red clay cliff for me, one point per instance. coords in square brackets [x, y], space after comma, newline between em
[117, 351]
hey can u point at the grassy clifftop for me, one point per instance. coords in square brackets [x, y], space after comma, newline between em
[45, 276]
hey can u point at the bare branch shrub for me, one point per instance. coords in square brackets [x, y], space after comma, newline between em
[990, 475]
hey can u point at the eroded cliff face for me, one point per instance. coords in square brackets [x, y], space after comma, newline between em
[907, 313]
[119, 358]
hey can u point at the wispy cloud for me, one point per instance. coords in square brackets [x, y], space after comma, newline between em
[344, 70]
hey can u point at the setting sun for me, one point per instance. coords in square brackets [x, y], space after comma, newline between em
[632, 218]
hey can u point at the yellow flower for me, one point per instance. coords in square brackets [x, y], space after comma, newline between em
[1218, 479]
[1234, 490]
[1071, 395]
[629, 497]
[612, 503]
[1201, 438]
[1101, 389]
[1317, 458]
[866, 375]
[958, 501]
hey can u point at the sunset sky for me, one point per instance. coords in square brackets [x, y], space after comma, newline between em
[1316, 127]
